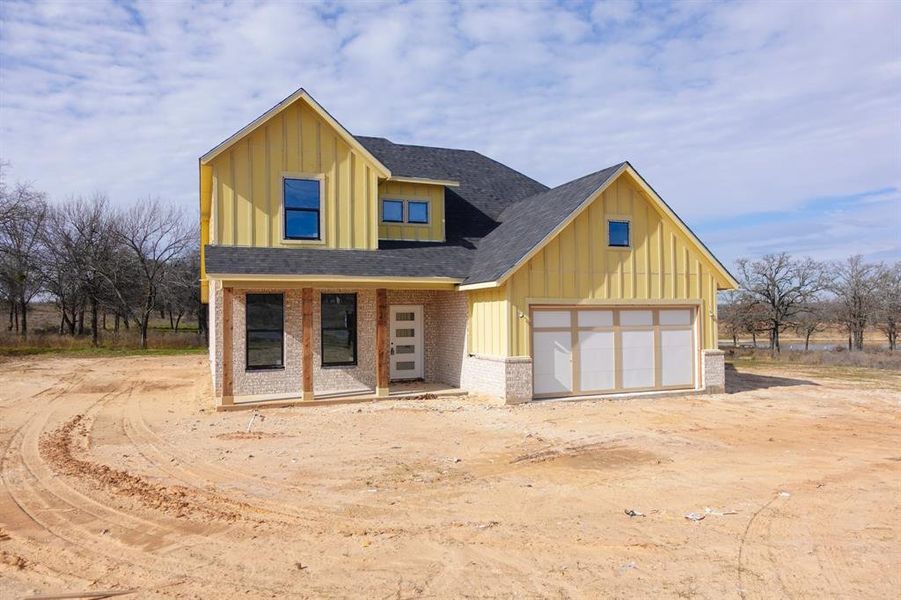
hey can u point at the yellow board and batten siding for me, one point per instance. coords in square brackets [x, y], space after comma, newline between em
[578, 266]
[247, 184]
[397, 190]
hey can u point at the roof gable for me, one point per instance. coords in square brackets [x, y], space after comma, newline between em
[300, 95]
[527, 226]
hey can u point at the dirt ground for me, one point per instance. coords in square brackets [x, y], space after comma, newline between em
[116, 475]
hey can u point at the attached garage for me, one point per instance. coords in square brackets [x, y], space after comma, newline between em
[579, 350]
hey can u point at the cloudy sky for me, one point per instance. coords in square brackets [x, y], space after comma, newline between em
[767, 126]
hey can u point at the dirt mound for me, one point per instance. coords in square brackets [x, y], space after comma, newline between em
[588, 456]
[13, 560]
[58, 449]
[250, 435]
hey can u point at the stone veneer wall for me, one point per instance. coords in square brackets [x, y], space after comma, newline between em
[214, 313]
[714, 365]
[509, 379]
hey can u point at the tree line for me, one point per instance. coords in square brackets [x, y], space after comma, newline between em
[95, 261]
[779, 292]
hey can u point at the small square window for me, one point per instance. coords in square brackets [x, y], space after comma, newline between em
[392, 211]
[618, 234]
[418, 212]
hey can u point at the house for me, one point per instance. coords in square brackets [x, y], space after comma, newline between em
[336, 264]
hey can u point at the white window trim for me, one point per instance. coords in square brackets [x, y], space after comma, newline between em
[616, 219]
[405, 211]
[320, 177]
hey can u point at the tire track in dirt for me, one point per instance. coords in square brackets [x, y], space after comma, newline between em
[63, 518]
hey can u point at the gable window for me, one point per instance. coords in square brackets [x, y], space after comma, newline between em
[618, 234]
[302, 209]
[265, 327]
[339, 330]
[417, 212]
[393, 211]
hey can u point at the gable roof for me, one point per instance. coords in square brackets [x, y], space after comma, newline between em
[299, 95]
[527, 226]
[487, 185]
[531, 223]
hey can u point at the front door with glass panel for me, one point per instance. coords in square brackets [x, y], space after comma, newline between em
[406, 341]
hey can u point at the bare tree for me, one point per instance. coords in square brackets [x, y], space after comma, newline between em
[811, 319]
[855, 285]
[888, 304]
[152, 236]
[24, 213]
[781, 287]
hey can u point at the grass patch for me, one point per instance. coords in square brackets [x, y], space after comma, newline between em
[99, 352]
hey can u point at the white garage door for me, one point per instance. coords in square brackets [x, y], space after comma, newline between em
[577, 350]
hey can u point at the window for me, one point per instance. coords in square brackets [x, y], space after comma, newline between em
[405, 211]
[339, 330]
[393, 211]
[418, 212]
[618, 234]
[265, 325]
[302, 204]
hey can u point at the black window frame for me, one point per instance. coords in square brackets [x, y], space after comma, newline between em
[286, 209]
[247, 330]
[628, 224]
[323, 329]
[402, 210]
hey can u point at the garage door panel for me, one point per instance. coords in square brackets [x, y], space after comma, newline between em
[638, 359]
[553, 362]
[597, 362]
[676, 357]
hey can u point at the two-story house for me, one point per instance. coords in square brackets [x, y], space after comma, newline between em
[335, 265]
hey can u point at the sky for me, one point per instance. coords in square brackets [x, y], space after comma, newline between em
[768, 126]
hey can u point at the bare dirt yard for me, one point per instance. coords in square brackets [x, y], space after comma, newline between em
[117, 475]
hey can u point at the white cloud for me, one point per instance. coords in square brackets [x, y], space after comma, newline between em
[726, 108]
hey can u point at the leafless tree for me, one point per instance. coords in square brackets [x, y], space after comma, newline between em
[781, 287]
[152, 237]
[812, 318]
[24, 214]
[855, 284]
[181, 290]
[888, 304]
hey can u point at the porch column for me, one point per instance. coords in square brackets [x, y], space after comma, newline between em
[307, 337]
[382, 355]
[227, 347]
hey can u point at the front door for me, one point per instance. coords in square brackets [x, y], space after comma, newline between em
[406, 341]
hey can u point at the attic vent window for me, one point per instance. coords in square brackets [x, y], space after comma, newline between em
[618, 234]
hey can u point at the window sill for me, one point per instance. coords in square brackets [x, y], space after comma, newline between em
[339, 366]
[303, 242]
[258, 369]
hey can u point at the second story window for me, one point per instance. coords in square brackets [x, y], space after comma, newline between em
[415, 212]
[303, 202]
[393, 211]
[618, 234]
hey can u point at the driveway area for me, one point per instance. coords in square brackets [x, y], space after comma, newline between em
[117, 475]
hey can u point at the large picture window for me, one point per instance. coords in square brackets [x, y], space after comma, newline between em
[265, 323]
[302, 205]
[339, 330]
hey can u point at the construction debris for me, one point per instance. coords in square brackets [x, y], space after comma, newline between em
[634, 513]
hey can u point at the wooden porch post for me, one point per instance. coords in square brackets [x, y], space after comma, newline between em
[307, 337]
[227, 348]
[382, 355]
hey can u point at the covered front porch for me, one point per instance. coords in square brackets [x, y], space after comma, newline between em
[284, 343]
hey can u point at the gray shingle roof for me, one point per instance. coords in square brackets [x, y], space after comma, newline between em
[390, 260]
[493, 219]
[526, 223]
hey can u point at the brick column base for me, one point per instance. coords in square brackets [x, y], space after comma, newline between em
[714, 366]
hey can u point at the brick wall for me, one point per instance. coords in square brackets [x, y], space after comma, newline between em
[714, 367]
[509, 379]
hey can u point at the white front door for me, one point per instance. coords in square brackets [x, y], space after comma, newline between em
[406, 341]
